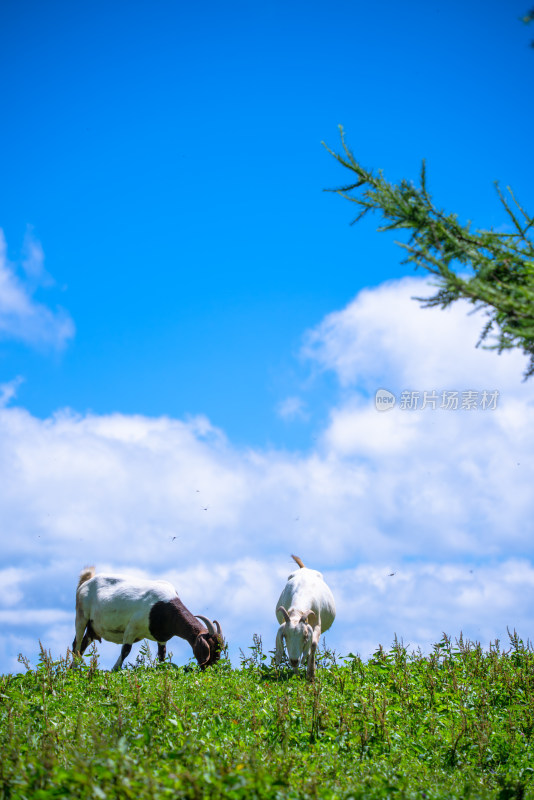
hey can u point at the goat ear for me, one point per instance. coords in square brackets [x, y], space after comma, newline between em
[279, 649]
[201, 650]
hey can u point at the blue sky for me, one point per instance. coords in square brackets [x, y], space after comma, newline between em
[171, 254]
[169, 162]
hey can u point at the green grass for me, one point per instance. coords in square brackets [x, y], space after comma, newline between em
[456, 723]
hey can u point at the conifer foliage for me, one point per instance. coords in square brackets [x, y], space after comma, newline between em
[493, 271]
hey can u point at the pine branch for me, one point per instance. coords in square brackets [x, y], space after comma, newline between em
[502, 264]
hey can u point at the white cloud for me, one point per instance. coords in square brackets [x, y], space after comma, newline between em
[33, 262]
[428, 495]
[34, 616]
[10, 592]
[420, 601]
[461, 477]
[8, 391]
[293, 408]
[22, 317]
[384, 336]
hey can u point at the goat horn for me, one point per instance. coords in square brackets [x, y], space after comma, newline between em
[208, 623]
[284, 613]
[219, 631]
[304, 617]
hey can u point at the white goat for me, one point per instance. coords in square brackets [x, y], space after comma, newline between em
[305, 609]
[126, 610]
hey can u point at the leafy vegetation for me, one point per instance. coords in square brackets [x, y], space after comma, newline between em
[501, 282]
[456, 723]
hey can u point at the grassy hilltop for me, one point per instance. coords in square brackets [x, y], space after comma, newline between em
[456, 723]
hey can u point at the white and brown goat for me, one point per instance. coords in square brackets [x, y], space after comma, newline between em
[305, 609]
[127, 610]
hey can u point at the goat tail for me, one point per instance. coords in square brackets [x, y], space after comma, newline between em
[299, 561]
[85, 575]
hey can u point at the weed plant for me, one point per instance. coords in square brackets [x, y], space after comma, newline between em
[456, 723]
